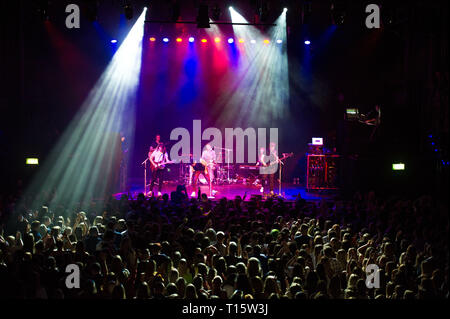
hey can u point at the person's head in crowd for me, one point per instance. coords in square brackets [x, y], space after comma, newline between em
[181, 286]
[118, 292]
[190, 292]
[143, 291]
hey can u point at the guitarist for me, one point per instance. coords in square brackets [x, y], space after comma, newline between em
[205, 167]
[267, 161]
[209, 156]
[158, 159]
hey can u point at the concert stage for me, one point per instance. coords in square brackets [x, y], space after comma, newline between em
[230, 191]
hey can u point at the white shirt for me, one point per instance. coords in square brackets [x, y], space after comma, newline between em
[209, 156]
[159, 157]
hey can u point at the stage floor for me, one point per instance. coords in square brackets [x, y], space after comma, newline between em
[230, 191]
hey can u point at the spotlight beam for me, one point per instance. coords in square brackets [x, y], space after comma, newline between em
[261, 75]
[81, 165]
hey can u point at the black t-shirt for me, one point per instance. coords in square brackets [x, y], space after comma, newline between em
[154, 144]
[199, 167]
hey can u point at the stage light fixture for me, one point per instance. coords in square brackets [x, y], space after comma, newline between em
[166, 40]
[203, 17]
[191, 39]
[203, 40]
[253, 41]
[241, 40]
[266, 41]
[113, 41]
[32, 161]
[179, 40]
[217, 40]
[128, 10]
[279, 41]
[307, 42]
[152, 39]
[230, 40]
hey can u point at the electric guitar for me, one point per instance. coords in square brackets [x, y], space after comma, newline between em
[160, 165]
[285, 156]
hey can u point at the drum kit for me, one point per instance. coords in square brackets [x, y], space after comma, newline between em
[222, 171]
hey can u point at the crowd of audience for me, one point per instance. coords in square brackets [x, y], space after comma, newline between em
[177, 247]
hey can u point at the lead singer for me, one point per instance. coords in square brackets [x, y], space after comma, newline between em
[205, 167]
[267, 162]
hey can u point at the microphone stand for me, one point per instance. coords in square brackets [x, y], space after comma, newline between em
[145, 176]
[279, 184]
[228, 161]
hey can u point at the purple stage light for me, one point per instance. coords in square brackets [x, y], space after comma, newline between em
[307, 42]
[230, 40]
[191, 39]
[114, 41]
[166, 40]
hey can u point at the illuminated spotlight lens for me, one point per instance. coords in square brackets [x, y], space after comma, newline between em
[203, 40]
[217, 40]
[191, 39]
[266, 41]
[279, 41]
[179, 40]
[253, 41]
[166, 40]
[152, 39]
[307, 42]
[113, 41]
[241, 40]
[230, 40]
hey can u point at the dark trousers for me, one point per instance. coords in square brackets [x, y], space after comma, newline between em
[196, 176]
[268, 178]
[157, 175]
